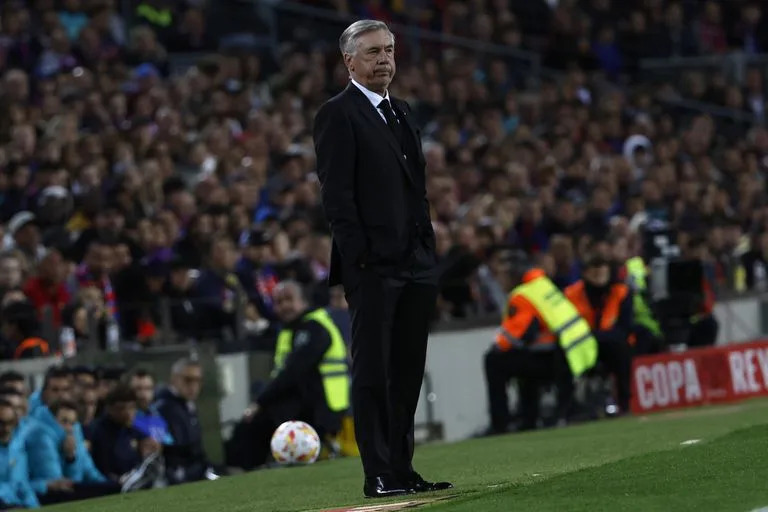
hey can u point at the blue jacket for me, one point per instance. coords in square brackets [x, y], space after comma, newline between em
[14, 483]
[151, 424]
[41, 451]
[82, 469]
[35, 401]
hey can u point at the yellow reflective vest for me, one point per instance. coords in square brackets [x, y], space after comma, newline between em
[564, 321]
[333, 366]
[636, 278]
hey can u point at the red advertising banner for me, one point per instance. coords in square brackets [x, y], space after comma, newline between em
[722, 374]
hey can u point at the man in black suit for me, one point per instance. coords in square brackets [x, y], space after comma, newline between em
[371, 168]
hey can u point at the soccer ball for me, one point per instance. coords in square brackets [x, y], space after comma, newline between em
[295, 442]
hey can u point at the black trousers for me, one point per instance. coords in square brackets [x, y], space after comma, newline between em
[80, 492]
[616, 359]
[646, 342]
[390, 326]
[703, 332]
[533, 370]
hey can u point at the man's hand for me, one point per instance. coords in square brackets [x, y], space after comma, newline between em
[250, 412]
[148, 446]
[68, 447]
[63, 485]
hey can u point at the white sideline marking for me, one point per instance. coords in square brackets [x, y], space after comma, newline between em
[762, 509]
[690, 442]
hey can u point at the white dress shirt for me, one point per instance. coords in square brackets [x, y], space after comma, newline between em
[374, 97]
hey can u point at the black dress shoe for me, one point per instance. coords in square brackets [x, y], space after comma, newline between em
[417, 484]
[383, 487]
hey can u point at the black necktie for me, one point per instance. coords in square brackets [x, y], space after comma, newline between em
[389, 115]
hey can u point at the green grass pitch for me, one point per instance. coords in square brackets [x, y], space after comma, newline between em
[633, 464]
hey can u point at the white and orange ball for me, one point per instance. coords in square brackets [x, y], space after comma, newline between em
[295, 442]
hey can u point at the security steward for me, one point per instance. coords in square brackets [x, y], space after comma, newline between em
[310, 381]
[646, 329]
[542, 339]
[608, 307]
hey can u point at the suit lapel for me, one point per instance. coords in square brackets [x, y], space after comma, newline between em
[370, 112]
[404, 117]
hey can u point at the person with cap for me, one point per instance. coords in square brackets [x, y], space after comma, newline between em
[542, 338]
[19, 328]
[256, 272]
[24, 235]
[310, 380]
[608, 308]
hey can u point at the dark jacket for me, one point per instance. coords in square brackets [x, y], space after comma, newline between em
[185, 460]
[373, 189]
[114, 448]
[300, 377]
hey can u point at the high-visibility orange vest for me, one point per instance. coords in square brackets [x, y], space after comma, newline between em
[31, 344]
[577, 294]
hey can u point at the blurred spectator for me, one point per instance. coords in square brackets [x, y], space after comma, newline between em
[256, 273]
[86, 413]
[11, 273]
[74, 461]
[15, 490]
[121, 452]
[47, 290]
[185, 459]
[218, 287]
[19, 328]
[25, 236]
[148, 420]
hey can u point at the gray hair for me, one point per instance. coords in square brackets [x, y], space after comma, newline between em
[182, 364]
[348, 39]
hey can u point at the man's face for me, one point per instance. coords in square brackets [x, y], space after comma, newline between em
[372, 64]
[189, 382]
[51, 268]
[144, 388]
[85, 380]
[288, 304]
[8, 421]
[67, 419]
[224, 255]
[59, 388]
[10, 272]
[90, 402]
[19, 404]
[598, 275]
[122, 413]
[18, 385]
[180, 279]
[28, 237]
[99, 259]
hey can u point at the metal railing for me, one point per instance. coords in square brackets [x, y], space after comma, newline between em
[733, 65]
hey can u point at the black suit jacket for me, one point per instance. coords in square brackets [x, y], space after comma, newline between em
[373, 193]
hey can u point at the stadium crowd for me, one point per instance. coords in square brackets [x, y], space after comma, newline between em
[137, 203]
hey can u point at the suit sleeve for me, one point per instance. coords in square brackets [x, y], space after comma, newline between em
[303, 358]
[335, 148]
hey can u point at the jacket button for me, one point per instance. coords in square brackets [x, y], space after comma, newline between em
[405, 157]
